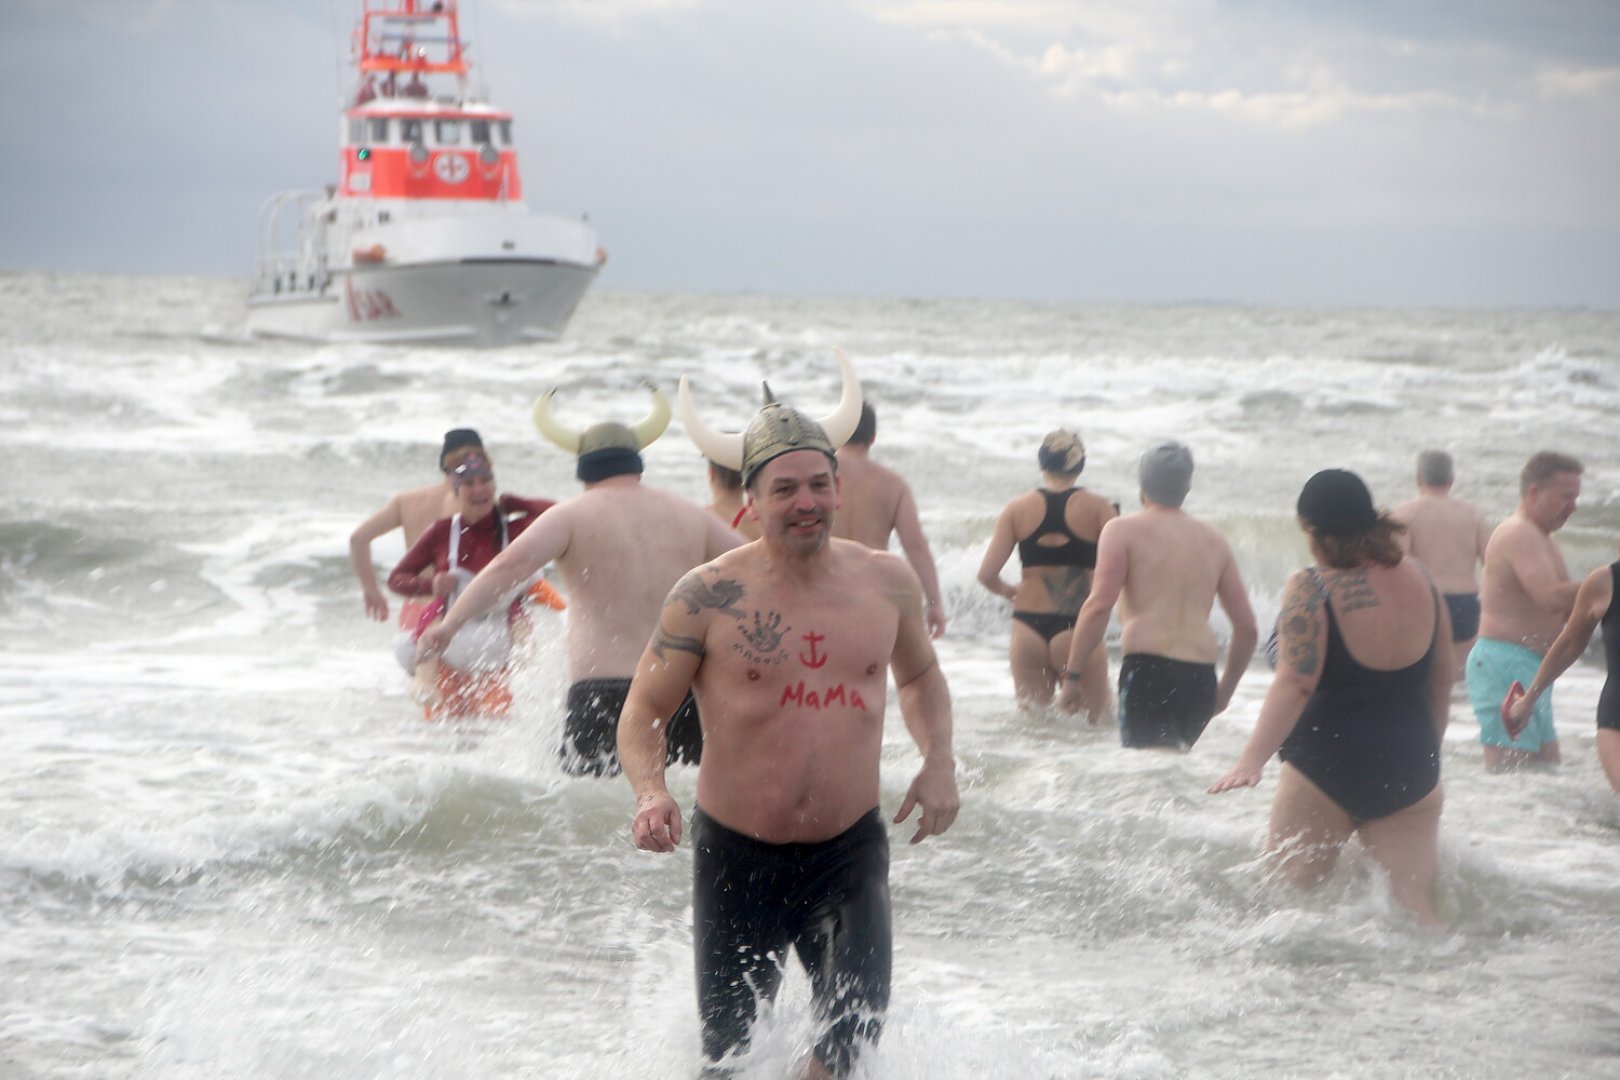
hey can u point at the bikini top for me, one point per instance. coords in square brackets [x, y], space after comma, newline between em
[1072, 552]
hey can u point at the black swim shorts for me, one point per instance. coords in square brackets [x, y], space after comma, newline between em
[590, 744]
[1464, 609]
[828, 900]
[1164, 702]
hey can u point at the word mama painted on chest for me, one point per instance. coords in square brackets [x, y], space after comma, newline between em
[826, 698]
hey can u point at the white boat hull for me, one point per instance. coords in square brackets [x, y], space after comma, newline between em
[482, 302]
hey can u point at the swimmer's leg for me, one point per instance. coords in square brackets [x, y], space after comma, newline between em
[1307, 829]
[848, 954]
[1406, 844]
[738, 937]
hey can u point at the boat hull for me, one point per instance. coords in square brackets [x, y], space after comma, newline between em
[481, 302]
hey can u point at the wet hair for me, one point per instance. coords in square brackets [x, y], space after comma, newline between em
[1543, 466]
[730, 479]
[866, 430]
[1434, 469]
[1062, 453]
[1380, 544]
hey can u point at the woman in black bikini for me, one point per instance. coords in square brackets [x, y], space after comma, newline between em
[1054, 529]
[1359, 701]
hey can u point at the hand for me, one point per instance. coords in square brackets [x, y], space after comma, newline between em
[432, 643]
[1240, 776]
[444, 583]
[1517, 709]
[1068, 698]
[657, 824]
[376, 606]
[934, 790]
[936, 621]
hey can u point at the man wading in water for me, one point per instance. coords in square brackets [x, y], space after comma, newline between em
[784, 642]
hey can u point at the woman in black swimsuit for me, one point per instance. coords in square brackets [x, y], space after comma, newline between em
[1054, 529]
[1359, 701]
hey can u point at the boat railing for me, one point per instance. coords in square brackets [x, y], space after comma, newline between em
[288, 255]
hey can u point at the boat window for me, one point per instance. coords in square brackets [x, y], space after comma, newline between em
[411, 130]
[357, 131]
[479, 129]
[506, 132]
[379, 129]
[447, 132]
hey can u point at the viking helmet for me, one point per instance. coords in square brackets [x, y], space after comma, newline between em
[609, 448]
[776, 429]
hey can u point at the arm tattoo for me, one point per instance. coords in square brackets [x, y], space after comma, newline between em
[663, 640]
[1068, 589]
[1301, 629]
[697, 595]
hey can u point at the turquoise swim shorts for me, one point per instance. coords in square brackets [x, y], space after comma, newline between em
[1492, 668]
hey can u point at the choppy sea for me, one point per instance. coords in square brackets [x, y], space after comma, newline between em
[232, 848]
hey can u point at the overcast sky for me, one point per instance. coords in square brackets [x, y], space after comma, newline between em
[1408, 152]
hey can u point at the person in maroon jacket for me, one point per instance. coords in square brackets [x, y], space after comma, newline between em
[454, 549]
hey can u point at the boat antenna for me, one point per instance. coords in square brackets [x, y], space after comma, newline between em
[338, 34]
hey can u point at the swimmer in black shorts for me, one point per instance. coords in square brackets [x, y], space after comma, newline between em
[788, 643]
[590, 741]
[829, 901]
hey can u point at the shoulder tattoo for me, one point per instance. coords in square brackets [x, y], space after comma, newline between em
[697, 594]
[1352, 591]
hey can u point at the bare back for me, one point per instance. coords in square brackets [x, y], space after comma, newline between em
[1174, 565]
[1523, 563]
[869, 500]
[791, 689]
[1387, 615]
[627, 545]
[1448, 536]
[1060, 589]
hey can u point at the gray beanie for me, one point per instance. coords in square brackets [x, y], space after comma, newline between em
[1166, 473]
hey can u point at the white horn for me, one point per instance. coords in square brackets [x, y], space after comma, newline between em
[655, 422]
[545, 424]
[718, 447]
[840, 424]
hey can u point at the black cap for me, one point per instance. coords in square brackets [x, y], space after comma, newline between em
[1335, 502]
[456, 439]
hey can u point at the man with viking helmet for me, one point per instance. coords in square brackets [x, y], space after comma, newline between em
[619, 545]
[784, 642]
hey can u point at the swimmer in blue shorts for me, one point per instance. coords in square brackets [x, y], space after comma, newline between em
[1525, 596]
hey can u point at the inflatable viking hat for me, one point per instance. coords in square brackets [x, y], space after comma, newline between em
[605, 449]
[776, 429]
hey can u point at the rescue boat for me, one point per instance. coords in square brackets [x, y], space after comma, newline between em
[425, 237]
